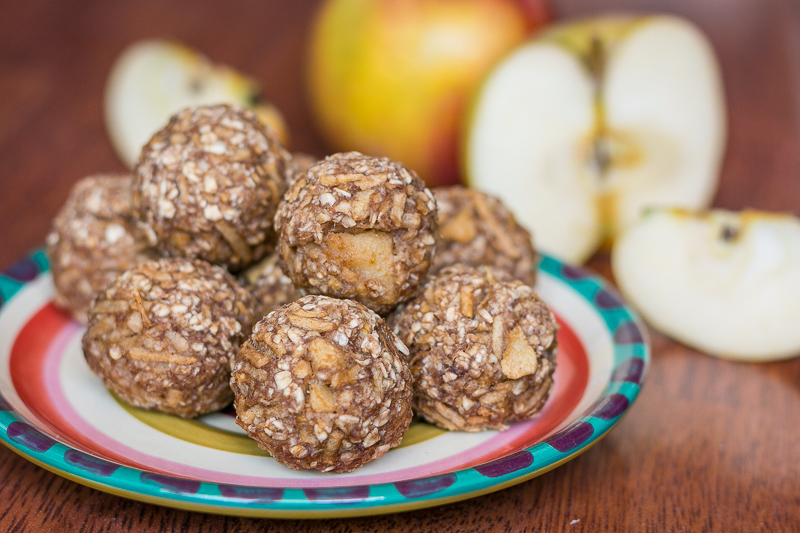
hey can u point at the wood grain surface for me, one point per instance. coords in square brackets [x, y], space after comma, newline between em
[709, 445]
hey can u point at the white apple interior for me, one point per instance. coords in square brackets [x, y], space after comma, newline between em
[657, 110]
[662, 91]
[737, 297]
[527, 142]
[153, 80]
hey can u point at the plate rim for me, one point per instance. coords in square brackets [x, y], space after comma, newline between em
[631, 347]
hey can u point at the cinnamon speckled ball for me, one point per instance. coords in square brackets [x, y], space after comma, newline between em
[482, 349]
[164, 334]
[207, 186]
[93, 240]
[358, 227]
[477, 229]
[322, 384]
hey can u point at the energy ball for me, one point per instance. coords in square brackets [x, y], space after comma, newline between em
[270, 286]
[482, 350]
[322, 384]
[358, 227]
[164, 335]
[207, 186]
[477, 229]
[94, 238]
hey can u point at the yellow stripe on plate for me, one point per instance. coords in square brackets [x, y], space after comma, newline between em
[202, 434]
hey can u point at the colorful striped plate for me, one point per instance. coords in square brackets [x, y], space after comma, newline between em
[54, 412]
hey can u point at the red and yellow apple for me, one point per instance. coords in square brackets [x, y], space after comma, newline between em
[392, 77]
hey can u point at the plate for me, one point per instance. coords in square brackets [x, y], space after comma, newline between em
[55, 413]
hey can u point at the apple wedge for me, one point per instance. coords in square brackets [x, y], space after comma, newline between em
[152, 80]
[584, 126]
[725, 283]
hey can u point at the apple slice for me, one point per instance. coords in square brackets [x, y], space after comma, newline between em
[152, 80]
[724, 283]
[587, 124]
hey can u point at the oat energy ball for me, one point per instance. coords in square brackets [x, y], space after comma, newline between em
[322, 384]
[270, 286]
[207, 186]
[477, 229]
[94, 238]
[358, 227]
[482, 351]
[164, 334]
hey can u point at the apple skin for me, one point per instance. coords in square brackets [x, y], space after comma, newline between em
[391, 78]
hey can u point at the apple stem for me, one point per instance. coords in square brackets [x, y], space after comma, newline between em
[595, 60]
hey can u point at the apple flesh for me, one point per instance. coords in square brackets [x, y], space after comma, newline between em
[724, 283]
[581, 128]
[152, 80]
[391, 77]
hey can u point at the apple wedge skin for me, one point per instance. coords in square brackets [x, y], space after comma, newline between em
[724, 283]
[532, 128]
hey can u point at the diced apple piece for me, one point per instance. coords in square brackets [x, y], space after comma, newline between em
[724, 283]
[369, 256]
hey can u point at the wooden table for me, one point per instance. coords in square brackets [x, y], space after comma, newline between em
[709, 445]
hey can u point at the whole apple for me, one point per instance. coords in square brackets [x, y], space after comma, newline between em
[391, 77]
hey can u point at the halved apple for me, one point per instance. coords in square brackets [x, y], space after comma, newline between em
[582, 127]
[152, 80]
[724, 283]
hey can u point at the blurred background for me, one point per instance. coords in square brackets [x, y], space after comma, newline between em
[55, 58]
